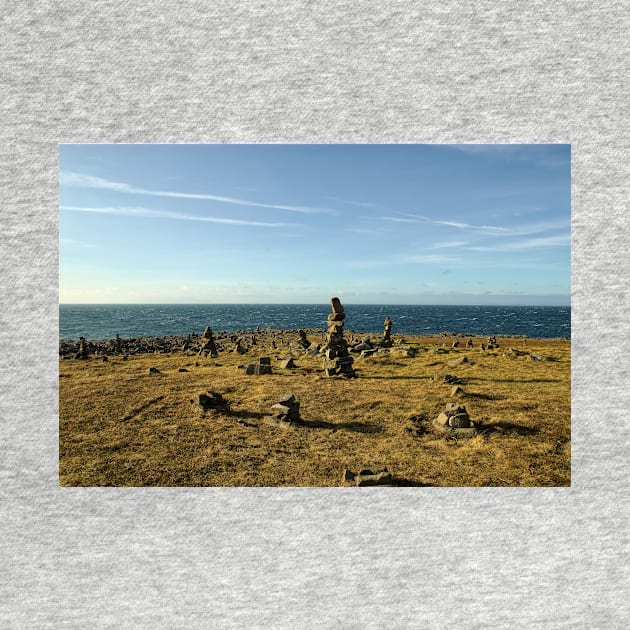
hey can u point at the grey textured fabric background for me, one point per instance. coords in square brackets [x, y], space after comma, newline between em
[313, 72]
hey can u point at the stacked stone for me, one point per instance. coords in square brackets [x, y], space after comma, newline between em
[367, 477]
[387, 333]
[337, 360]
[209, 347]
[83, 349]
[304, 342]
[286, 410]
[455, 419]
[239, 348]
[262, 367]
[207, 401]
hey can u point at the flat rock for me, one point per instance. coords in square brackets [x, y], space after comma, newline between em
[458, 361]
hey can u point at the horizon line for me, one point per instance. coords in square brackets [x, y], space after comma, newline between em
[287, 304]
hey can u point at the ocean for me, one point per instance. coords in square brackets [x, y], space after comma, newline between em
[105, 321]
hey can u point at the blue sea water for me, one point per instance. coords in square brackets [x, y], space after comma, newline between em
[105, 321]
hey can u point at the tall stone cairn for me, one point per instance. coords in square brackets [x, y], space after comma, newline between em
[387, 333]
[209, 347]
[337, 361]
[83, 349]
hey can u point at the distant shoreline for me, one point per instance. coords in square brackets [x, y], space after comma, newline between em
[285, 336]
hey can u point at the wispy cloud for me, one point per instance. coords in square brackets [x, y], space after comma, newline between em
[75, 243]
[544, 155]
[490, 230]
[150, 213]
[419, 218]
[417, 259]
[449, 244]
[368, 231]
[359, 204]
[80, 180]
[557, 240]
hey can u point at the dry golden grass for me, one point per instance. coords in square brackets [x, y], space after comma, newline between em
[121, 426]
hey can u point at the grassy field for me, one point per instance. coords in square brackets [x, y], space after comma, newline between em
[120, 425]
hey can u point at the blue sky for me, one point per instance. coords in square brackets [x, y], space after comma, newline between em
[390, 224]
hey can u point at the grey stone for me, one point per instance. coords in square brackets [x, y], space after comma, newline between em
[458, 361]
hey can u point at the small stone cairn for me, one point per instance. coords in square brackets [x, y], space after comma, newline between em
[303, 341]
[366, 477]
[337, 360]
[239, 348]
[210, 401]
[455, 419]
[262, 367]
[83, 349]
[286, 411]
[387, 333]
[208, 347]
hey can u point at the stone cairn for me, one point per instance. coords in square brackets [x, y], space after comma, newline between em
[286, 411]
[83, 349]
[303, 341]
[239, 348]
[210, 401]
[387, 333]
[209, 347]
[337, 360]
[455, 419]
[367, 477]
[262, 367]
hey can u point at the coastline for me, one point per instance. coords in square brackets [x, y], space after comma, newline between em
[260, 336]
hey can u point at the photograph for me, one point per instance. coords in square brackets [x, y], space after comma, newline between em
[315, 315]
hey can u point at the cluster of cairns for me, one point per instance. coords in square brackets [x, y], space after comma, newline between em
[337, 361]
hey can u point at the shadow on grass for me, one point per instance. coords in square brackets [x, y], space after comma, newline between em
[504, 427]
[397, 378]
[358, 427]
[515, 380]
[482, 396]
[406, 483]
